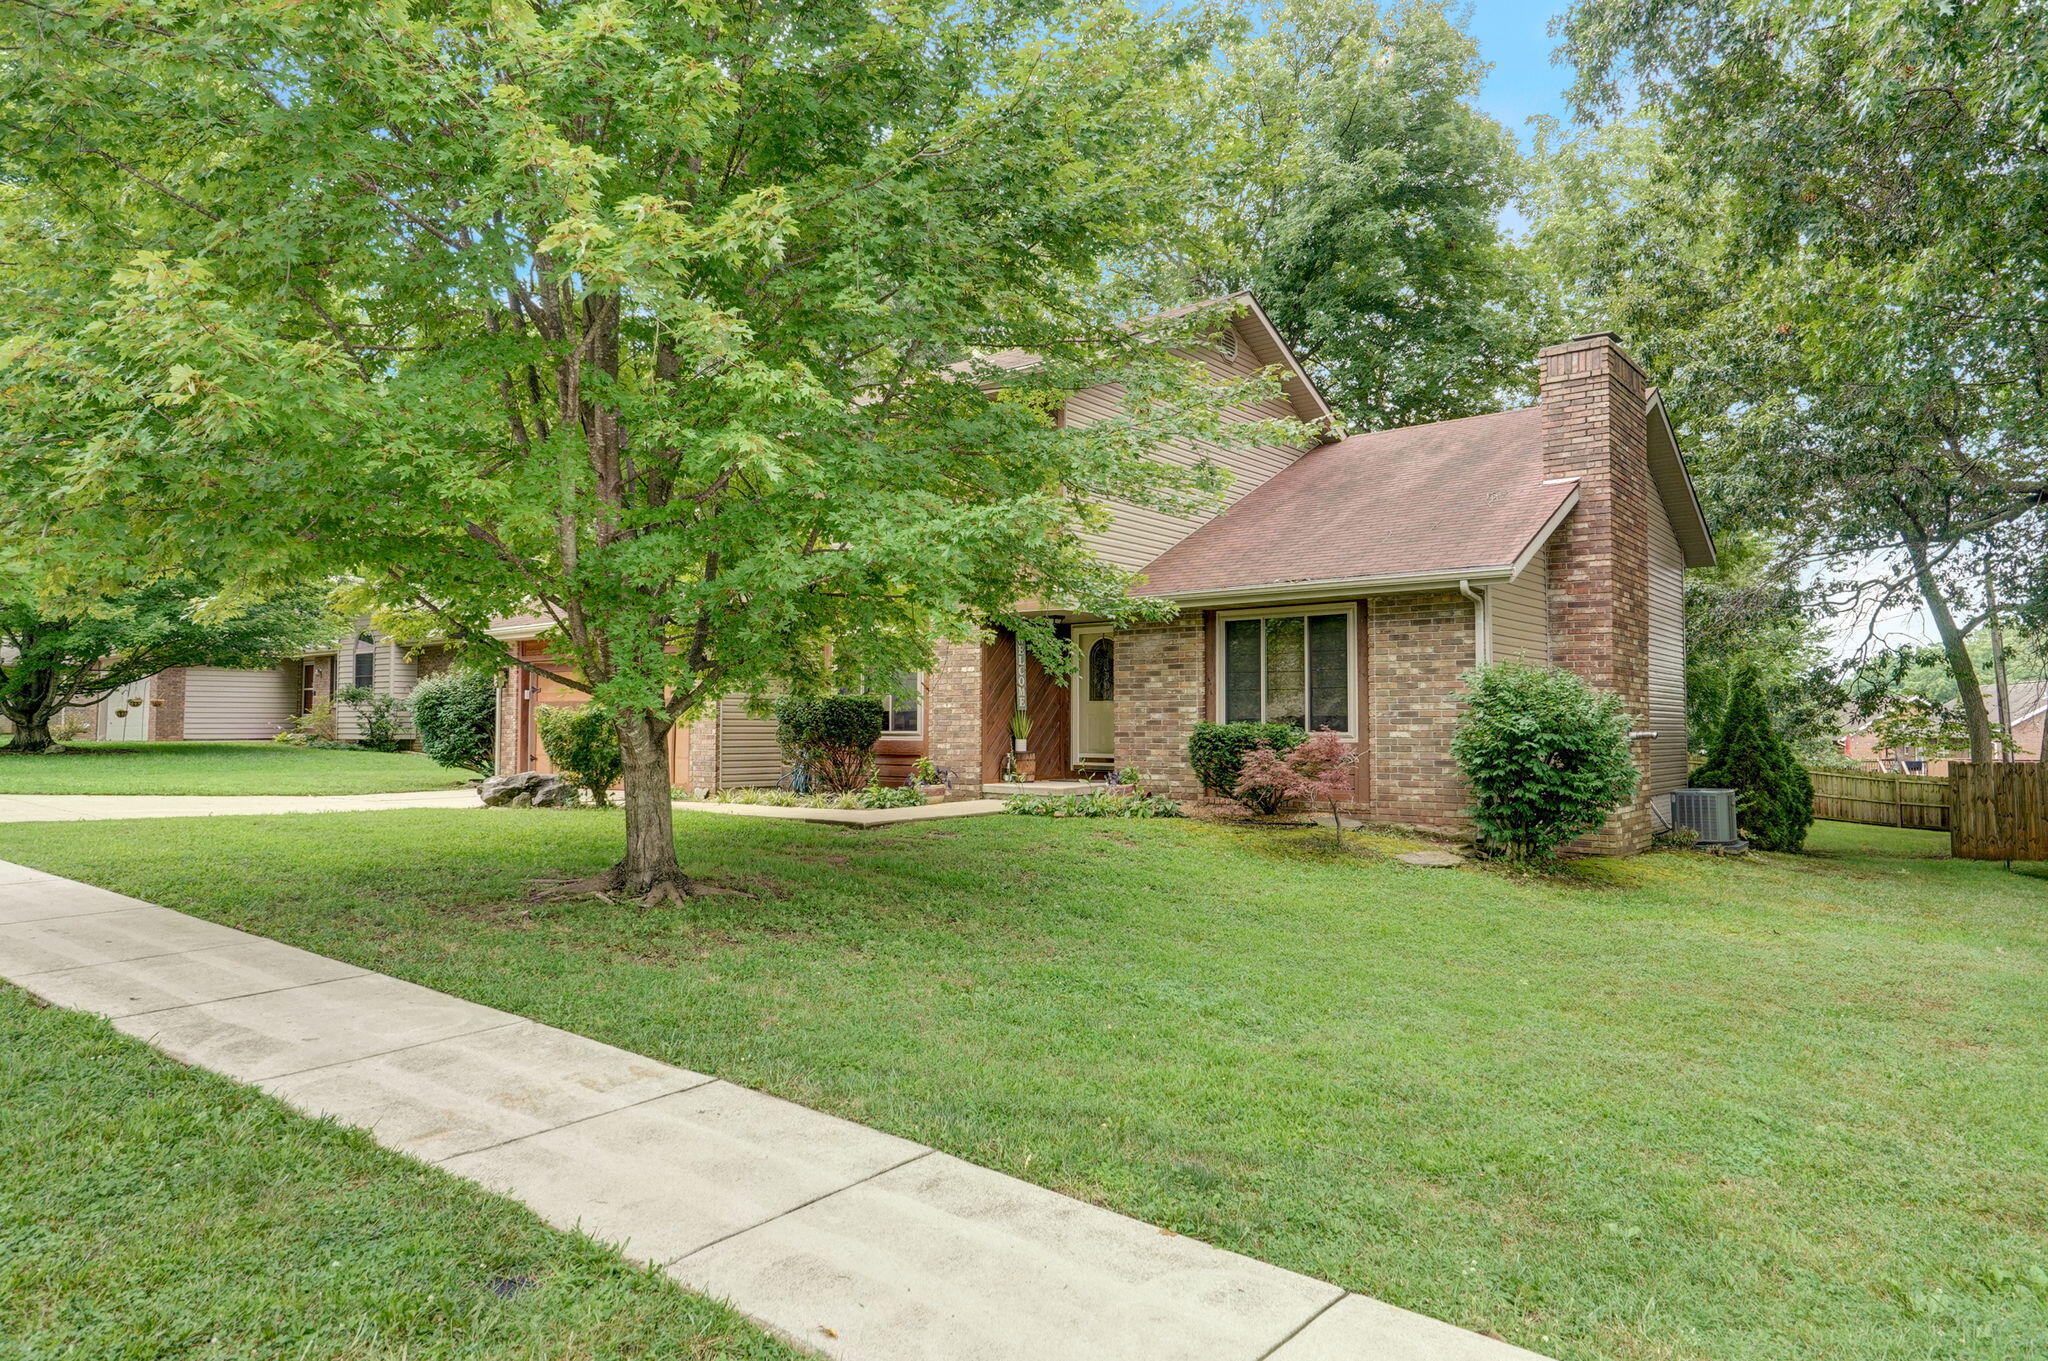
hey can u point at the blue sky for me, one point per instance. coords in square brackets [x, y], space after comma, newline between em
[1514, 35]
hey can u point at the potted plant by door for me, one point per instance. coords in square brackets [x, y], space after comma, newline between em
[926, 780]
[1020, 741]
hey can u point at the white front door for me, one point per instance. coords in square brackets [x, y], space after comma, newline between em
[1095, 697]
[124, 715]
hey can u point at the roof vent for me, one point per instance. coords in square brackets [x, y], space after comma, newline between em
[1226, 343]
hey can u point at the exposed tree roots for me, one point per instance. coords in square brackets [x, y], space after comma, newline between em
[613, 886]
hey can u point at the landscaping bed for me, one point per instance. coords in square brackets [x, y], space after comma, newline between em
[221, 768]
[152, 1212]
[1673, 1106]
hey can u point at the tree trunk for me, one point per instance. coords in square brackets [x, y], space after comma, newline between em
[1969, 689]
[2000, 690]
[32, 734]
[650, 865]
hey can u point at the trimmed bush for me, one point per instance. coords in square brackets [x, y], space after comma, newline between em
[1217, 752]
[455, 714]
[1547, 757]
[833, 736]
[1773, 794]
[583, 744]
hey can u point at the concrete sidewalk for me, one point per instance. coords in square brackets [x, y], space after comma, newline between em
[851, 1242]
[104, 807]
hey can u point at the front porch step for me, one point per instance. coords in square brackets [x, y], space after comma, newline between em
[1009, 789]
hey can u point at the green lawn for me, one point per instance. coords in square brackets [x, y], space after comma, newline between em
[1670, 1107]
[150, 1211]
[220, 768]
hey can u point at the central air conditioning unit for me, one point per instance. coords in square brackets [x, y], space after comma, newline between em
[1708, 813]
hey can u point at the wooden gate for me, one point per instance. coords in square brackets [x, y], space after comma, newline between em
[1881, 800]
[2000, 810]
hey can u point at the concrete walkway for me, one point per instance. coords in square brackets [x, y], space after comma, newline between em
[103, 807]
[845, 1240]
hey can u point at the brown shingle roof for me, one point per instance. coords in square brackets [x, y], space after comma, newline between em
[1455, 496]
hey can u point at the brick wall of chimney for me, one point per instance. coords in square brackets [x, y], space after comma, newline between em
[1595, 403]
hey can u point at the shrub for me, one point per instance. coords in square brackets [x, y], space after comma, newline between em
[1093, 805]
[872, 797]
[1773, 794]
[456, 713]
[583, 744]
[378, 716]
[1217, 752]
[315, 727]
[833, 737]
[1546, 756]
[1316, 771]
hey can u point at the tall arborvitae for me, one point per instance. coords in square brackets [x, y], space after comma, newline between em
[1773, 794]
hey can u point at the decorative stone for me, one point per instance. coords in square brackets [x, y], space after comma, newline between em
[526, 789]
[1431, 860]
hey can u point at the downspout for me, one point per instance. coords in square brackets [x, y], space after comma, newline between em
[1482, 639]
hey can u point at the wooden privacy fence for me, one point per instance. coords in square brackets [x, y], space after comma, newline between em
[1883, 800]
[2001, 810]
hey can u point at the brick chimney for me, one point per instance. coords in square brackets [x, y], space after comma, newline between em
[1595, 430]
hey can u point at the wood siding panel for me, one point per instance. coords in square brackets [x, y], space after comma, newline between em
[1137, 535]
[998, 698]
[223, 705]
[1518, 615]
[1052, 729]
[1665, 761]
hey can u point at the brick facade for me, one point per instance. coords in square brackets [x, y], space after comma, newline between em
[1417, 647]
[506, 750]
[167, 706]
[1161, 693]
[1595, 429]
[953, 718]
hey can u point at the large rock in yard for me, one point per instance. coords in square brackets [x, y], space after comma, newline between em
[526, 788]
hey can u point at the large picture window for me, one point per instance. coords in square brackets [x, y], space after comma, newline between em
[1292, 667]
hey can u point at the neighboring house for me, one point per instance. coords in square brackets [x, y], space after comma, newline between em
[1348, 584]
[2029, 714]
[225, 704]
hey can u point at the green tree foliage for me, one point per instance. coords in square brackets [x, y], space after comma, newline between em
[833, 736]
[1216, 751]
[1773, 795]
[1545, 755]
[1837, 271]
[61, 650]
[1359, 194]
[455, 714]
[582, 742]
[666, 323]
[1745, 613]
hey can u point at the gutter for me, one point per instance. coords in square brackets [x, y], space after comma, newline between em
[1338, 588]
[1482, 636]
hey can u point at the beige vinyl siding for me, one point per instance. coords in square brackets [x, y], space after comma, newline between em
[395, 675]
[223, 705]
[1518, 615]
[748, 753]
[1666, 758]
[1137, 535]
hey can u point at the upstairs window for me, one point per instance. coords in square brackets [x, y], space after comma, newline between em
[366, 669]
[1293, 667]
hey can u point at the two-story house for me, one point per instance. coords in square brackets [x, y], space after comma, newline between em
[1347, 584]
